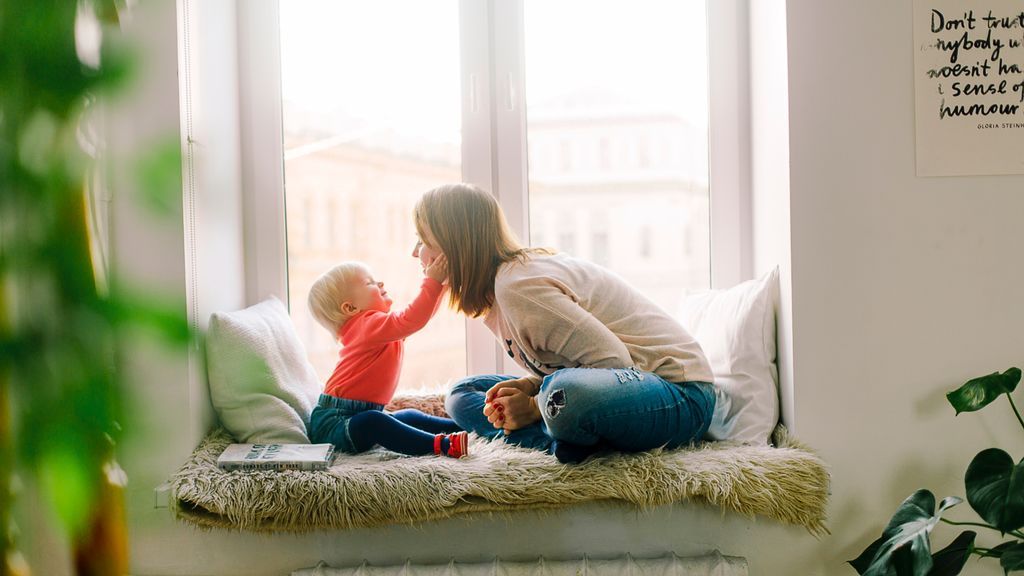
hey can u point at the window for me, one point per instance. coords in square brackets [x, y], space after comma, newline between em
[645, 243]
[599, 248]
[381, 101]
[370, 120]
[644, 89]
[567, 238]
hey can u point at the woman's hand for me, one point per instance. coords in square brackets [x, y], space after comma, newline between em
[511, 405]
[438, 269]
[526, 385]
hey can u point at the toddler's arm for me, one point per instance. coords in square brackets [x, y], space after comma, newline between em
[411, 319]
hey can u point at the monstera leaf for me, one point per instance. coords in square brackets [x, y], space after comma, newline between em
[950, 560]
[979, 392]
[946, 562]
[904, 547]
[1013, 557]
[995, 489]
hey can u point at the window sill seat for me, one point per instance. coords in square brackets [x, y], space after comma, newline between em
[787, 483]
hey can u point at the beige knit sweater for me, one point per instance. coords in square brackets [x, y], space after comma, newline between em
[554, 312]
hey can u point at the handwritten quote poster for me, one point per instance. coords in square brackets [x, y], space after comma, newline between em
[969, 84]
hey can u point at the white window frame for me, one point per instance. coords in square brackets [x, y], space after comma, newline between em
[262, 146]
[729, 142]
[492, 112]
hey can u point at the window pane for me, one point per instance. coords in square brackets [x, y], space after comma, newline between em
[371, 121]
[618, 138]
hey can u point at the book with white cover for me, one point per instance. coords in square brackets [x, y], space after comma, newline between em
[276, 457]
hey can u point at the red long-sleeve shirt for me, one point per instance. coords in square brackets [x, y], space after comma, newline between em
[372, 347]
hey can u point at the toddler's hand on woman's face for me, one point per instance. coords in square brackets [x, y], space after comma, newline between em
[438, 269]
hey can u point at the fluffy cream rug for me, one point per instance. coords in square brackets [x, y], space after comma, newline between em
[787, 483]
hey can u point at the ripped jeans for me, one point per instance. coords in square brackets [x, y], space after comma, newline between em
[619, 409]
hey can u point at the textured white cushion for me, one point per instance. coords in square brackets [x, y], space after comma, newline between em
[261, 382]
[736, 329]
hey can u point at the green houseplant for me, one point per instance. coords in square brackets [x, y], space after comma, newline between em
[995, 490]
[62, 400]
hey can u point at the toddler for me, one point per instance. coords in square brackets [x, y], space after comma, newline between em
[356, 309]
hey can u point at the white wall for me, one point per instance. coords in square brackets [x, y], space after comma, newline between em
[900, 289]
[903, 287]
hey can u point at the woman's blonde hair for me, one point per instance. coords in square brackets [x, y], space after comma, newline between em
[470, 229]
[329, 291]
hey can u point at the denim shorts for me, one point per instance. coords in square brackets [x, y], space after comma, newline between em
[330, 419]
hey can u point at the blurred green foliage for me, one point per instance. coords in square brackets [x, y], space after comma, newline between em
[62, 401]
[158, 175]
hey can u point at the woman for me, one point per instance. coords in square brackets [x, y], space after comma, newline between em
[608, 369]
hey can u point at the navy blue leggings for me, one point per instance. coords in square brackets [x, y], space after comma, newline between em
[406, 431]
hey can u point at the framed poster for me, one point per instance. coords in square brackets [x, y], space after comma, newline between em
[969, 86]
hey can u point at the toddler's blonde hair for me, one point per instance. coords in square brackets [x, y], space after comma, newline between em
[329, 291]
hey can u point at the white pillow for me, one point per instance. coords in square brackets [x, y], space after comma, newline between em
[736, 329]
[261, 383]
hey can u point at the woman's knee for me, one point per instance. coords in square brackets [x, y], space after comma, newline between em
[453, 404]
[572, 399]
[557, 402]
[471, 385]
[468, 393]
[464, 397]
[565, 390]
[463, 386]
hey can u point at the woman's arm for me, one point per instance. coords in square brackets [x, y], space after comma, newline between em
[548, 319]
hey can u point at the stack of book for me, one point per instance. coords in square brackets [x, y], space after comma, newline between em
[276, 457]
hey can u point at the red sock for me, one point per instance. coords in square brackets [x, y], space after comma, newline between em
[442, 443]
[458, 445]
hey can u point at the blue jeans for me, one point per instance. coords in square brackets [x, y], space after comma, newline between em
[355, 426]
[618, 409]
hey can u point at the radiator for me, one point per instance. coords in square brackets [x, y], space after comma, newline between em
[713, 564]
